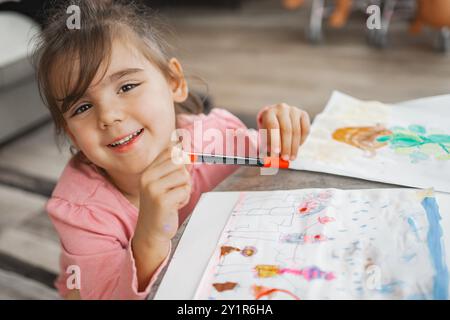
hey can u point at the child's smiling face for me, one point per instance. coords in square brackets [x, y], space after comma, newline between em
[131, 95]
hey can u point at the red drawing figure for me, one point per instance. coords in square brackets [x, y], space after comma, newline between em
[314, 203]
[325, 220]
[261, 291]
[302, 238]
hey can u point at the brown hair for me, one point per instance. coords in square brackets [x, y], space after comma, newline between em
[79, 53]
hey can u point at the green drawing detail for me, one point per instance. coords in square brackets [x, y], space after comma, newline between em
[415, 142]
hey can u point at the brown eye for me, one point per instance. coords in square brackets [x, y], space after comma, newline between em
[82, 109]
[128, 87]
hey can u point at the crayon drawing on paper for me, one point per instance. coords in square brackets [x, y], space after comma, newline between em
[330, 244]
[374, 141]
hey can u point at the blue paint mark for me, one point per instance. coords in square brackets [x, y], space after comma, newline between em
[408, 258]
[413, 225]
[440, 285]
[363, 226]
[389, 288]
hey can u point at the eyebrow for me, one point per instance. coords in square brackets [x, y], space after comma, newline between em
[119, 74]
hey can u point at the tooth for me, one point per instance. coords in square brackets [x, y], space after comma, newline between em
[126, 139]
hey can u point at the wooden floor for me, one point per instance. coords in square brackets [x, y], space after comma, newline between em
[260, 56]
[249, 58]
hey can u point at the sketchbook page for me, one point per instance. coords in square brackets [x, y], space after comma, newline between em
[330, 244]
[379, 142]
[196, 246]
[437, 104]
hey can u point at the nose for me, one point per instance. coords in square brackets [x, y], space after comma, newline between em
[108, 115]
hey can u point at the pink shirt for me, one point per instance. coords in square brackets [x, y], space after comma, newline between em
[96, 222]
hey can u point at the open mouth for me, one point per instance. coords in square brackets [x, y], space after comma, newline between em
[126, 140]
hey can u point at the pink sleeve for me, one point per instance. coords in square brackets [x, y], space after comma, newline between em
[92, 241]
[206, 176]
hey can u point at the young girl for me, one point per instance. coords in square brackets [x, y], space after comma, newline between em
[113, 90]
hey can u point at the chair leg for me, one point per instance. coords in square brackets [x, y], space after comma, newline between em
[380, 39]
[372, 34]
[443, 42]
[314, 30]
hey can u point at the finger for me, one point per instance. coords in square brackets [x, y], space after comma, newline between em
[167, 167]
[296, 132]
[174, 179]
[305, 125]
[179, 196]
[272, 126]
[158, 172]
[188, 196]
[284, 120]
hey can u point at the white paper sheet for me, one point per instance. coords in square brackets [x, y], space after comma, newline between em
[330, 244]
[369, 140]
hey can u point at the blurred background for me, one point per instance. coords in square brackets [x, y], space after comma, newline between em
[249, 53]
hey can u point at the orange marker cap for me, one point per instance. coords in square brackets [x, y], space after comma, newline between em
[275, 162]
[193, 157]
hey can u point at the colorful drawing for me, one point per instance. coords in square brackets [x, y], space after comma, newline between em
[413, 141]
[325, 220]
[400, 145]
[221, 287]
[314, 203]
[246, 252]
[419, 145]
[224, 250]
[261, 291]
[372, 244]
[365, 138]
[302, 238]
[312, 273]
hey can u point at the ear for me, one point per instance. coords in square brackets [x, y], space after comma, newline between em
[178, 84]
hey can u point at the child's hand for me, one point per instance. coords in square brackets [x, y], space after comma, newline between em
[292, 127]
[165, 188]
